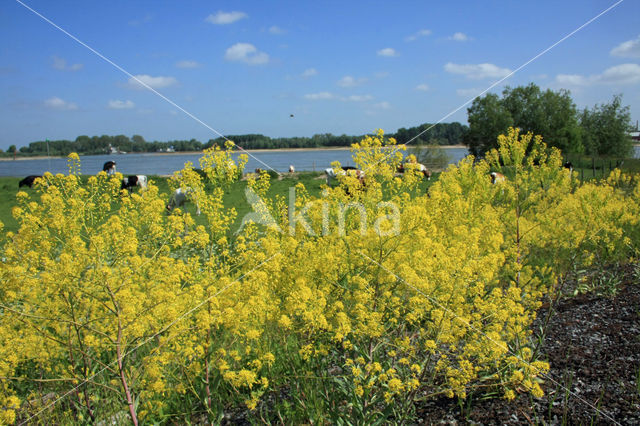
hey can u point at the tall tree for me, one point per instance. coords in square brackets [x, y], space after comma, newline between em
[606, 129]
[487, 118]
[550, 114]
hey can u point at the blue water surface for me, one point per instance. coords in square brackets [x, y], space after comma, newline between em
[166, 164]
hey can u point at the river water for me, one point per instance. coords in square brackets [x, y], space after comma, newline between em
[166, 164]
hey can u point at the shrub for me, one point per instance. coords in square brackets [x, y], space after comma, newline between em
[111, 304]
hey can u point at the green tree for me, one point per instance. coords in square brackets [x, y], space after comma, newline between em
[430, 134]
[137, 139]
[122, 142]
[605, 129]
[487, 118]
[548, 113]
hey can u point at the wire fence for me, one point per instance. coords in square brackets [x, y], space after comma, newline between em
[600, 167]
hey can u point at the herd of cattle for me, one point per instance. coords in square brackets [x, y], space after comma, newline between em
[180, 195]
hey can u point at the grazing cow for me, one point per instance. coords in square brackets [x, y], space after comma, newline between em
[569, 166]
[132, 181]
[179, 197]
[28, 181]
[420, 168]
[109, 167]
[345, 171]
[497, 178]
[291, 169]
[425, 172]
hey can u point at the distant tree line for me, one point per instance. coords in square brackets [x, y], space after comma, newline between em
[432, 134]
[440, 134]
[258, 141]
[599, 131]
[103, 145]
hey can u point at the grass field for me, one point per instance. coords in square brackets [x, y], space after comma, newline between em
[313, 181]
[234, 196]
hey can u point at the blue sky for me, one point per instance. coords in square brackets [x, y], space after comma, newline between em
[338, 67]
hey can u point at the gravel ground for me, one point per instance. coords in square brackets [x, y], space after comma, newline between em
[593, 346]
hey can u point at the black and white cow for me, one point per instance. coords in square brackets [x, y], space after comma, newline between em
[344, 171]
[28, 181]
[109, 167]
[179, 197]
[133, 181]
[419, 168]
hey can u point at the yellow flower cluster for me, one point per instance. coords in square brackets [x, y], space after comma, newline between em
[101, 281]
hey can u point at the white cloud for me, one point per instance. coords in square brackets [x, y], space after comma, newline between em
[477, 71]
[382, 105]
[59, 104]
[247, 53]
[120, 104]
[187, 64]
[309, 72]
[326, 96]
[415, 36]
[322, 96]
[459, 37]
[223, 18]
[619, 74]
[274, 29]
[628, 49]
[61, 64]
[349, 81]
[468, 93]
[422, 87]
[357, 98]
[158, 82]
[572, 79]
[387, 51]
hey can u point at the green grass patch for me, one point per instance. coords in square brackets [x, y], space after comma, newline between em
[234, 195]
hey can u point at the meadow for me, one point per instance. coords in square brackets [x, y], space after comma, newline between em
[367, 302]
[234, 196]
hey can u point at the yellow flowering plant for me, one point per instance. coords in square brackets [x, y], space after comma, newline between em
[356, 303]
